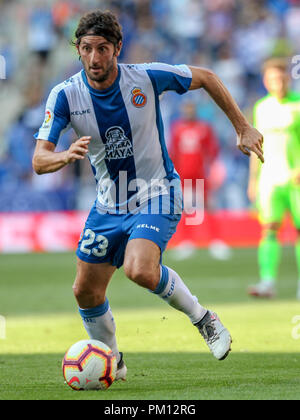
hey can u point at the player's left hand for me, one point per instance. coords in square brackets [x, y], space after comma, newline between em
[251, 140]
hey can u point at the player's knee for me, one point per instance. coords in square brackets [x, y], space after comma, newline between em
[87, 297]
[143, 276]
[77, 291]
[80, 293]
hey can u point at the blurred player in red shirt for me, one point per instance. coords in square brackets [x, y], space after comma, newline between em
[194, 146]
[194, 150]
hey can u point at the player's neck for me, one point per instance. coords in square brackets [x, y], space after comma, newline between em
[107, 82]
[280, 96]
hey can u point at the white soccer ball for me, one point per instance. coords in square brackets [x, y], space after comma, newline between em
[89, 364]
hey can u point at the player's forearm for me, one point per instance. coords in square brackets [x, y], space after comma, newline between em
[208, 80]
[46, 161]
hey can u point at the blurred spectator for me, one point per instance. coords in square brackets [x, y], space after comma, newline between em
[19, 137]
[186, 23]
[231, 71]
[292, 26]
[20, 188]
[41, 33]
[254, 39]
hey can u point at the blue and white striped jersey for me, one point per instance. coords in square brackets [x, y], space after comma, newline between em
[127, 151]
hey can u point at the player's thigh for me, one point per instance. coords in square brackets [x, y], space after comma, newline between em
[272, 205]
[147, 242]
[102, 239]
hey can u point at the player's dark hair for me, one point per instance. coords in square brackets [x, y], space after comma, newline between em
[280, 63]
[99, 23]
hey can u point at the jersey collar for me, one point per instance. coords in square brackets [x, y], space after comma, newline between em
[103, 92]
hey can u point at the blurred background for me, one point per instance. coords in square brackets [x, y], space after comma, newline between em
[232, 37]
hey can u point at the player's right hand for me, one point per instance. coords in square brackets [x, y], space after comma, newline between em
[250, 139]
[78, 149]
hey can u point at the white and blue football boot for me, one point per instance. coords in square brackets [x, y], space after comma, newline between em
[216, 336]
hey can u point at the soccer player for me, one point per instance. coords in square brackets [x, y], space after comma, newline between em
[114, 109]
[276, 184]
[194, 150]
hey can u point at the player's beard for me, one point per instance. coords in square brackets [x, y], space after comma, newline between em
[104, 76]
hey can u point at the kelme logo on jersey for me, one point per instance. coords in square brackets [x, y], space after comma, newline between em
[138, 99]
[82, 112]
[117, 145]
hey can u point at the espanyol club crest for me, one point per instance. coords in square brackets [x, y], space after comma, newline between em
[138, 98]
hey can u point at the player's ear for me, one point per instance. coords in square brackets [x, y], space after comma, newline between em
[118, 49]
[78, 52]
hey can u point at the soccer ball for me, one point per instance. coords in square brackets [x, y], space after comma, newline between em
[89, 364]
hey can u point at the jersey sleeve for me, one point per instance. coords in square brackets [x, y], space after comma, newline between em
[166, 77]
[57, 116]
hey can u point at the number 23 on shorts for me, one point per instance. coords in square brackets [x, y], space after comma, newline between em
[100, 249]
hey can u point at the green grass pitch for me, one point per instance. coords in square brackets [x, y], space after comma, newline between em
[166, 356]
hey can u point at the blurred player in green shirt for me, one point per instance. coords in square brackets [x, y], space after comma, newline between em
[275, 185]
